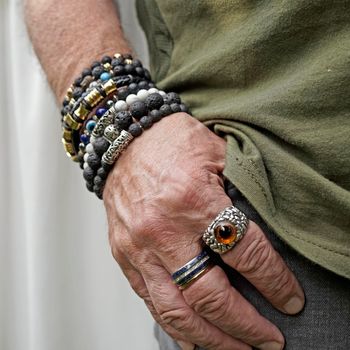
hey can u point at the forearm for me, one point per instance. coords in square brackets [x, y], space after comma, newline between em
[68, 35]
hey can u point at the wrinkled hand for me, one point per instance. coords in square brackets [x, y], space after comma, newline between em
[161, 196]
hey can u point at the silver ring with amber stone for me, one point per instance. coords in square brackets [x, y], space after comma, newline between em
[226, 230]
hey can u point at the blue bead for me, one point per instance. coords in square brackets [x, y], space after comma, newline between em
[105, 76]
[100, 112]
[90, 125]
[84, 139]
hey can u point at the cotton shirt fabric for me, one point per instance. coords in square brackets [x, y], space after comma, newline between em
[272, 77]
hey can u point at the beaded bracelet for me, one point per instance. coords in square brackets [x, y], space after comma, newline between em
[108, 67]
[120, 124]
[89, 123]
[95, 84]
[106, 107]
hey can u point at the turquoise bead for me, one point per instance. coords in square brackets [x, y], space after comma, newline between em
[105, 76]
[90, 125]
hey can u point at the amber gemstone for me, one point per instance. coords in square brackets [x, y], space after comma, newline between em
[225, 233]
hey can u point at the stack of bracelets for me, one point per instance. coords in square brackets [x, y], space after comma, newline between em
[107, 106]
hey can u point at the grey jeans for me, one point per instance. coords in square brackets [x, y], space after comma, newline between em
[324, 323]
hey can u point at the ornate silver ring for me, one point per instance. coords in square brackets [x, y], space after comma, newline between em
[226, 230]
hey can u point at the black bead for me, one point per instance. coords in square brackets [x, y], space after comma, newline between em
[107, 167]
[155, 115]
[151, 85]
[165, 110]
[127, 56]
[129, 69]
[175, 107]
[133, 88]
[77, 92]
[147, 74]
[123, 93]
[183, 108]
[90, 186]
[116, 61]
[78, 81]
[98, 191]
[94, 161]
[137, 63]
[139, 71]
[86, 72]
[123, 120]
[154, 101]
[100, 146]
[97, 71]
[88, 174]
[101, 91]
[122, 81]
[146, 121]
[102, 173]
[66, 110]
[95, 64]
[86, 105]
[106, 59]
[143, 84]
[138, 109]
[65, 102]
[98, 181]
[173, 97]
[135, 129]
[119, 70]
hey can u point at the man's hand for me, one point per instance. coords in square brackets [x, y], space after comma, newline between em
[160, 197]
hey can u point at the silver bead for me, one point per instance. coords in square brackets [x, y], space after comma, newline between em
[117, 147]
[111, 133]
[109, 103]
[101, 125]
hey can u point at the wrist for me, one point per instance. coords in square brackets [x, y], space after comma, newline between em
[76, 63]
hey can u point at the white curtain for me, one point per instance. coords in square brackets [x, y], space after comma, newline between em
[59, 285]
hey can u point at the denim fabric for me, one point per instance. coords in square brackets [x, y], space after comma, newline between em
[324, 323]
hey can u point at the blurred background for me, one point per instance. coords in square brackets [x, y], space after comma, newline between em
[59, 285]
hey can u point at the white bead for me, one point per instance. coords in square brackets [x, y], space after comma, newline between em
[85, 165]
[120, 106]
[86, 156]
[153, 91]
[162, 93]
[89, 148]
[142, 94]
[131, 99]
[93, 84]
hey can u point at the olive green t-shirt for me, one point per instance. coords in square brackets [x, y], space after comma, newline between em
[273, 78]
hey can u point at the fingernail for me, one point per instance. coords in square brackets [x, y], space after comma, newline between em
[185, 346]
[294, 305]
[271, 346]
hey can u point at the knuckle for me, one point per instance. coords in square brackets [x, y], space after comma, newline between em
[140, 289]
[213, 304]
[188, 189]
[116, 252]
[146, 228]
[255, 256]
[178, 318]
